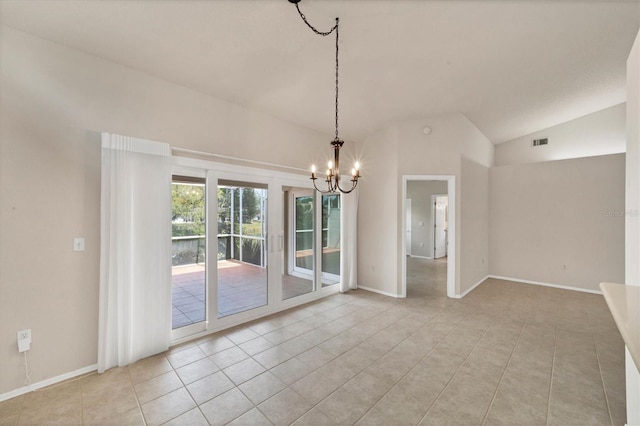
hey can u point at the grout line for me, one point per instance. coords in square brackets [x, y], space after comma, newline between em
[553, 366]
[495, 393]
[455, 372]
[604, 389]
[135, 393]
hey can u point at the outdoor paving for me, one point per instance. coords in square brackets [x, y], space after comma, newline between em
[241, 287]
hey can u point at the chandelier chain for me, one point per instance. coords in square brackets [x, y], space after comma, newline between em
[324, 34]
[336, 27]
[333, 171]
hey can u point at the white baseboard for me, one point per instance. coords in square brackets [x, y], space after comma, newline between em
[420, 257]
[460, 296]
[374, 290]
[563, 287]
[48, 382]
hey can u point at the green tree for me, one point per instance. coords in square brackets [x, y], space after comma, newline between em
[250, 205]
[187, 209]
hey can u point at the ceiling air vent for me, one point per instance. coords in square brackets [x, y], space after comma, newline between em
[541, 141]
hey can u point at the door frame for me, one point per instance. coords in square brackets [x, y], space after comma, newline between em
[451, 255]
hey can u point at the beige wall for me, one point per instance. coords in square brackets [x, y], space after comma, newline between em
[420, 192]
[53, 101]
[398, 150]
[377, 213]
[474, 211]
[600, 133]
[632, 218]
[558, 222]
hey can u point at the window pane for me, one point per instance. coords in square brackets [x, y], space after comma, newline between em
[242, 263]
[331, 238]
[188, 253]
[298, 275]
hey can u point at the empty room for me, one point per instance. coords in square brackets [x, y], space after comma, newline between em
[319, 212]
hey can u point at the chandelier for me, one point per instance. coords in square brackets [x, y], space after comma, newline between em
[332, 178]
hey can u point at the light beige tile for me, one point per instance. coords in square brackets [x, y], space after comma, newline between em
[10, 420]
[291, 371]
[226, 407]
[344, 407]
[252, 417]
[209, 387]
[167, 407]
[520, 400]
[256, 345]
[272, 357]
[296, 346]
[158, 386]
[186, 356]
[149, 368]
[315, 357]
[11, 406]
[228, 357]
[243, 371]
[284, 407]
[241, 335]
[566, 409]
[314, 417]
[401, 407]
[262, 387]
[367, 387]
[375, 417]
[196, 370]
[215, 344]
[315, 387]
[58, 404]
[111, 380]
[192, 417]
[101, 406]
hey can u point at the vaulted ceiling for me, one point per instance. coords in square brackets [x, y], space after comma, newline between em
[512, 67]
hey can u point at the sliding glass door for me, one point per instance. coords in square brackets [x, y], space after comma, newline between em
[242, 251]
[247, 243]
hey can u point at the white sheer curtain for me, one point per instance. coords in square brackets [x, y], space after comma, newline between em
[135, 250]
[349, 239]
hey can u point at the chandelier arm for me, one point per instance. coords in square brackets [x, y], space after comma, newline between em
[353, 186]
[319, 190]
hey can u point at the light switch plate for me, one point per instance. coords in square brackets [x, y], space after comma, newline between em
[78, 244]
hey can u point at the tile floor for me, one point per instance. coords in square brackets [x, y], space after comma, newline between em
[507, 353]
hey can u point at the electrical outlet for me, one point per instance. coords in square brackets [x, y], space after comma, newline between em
[24, 335]
[24, 340]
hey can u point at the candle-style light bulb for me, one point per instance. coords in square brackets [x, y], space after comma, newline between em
[357, 165]
[313, 168]
[330, 165]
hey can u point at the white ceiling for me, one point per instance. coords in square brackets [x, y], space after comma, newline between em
[512, 67]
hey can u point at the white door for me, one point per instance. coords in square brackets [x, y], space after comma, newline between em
[408, 222]
[441, 207]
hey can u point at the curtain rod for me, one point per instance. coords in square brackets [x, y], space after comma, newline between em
[227, 157]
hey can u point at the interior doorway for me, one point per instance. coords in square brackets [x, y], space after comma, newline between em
[431, 253]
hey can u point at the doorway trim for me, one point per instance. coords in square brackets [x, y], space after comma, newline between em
[451, 216]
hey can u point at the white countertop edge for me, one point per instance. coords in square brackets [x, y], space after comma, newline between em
[624, 304]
